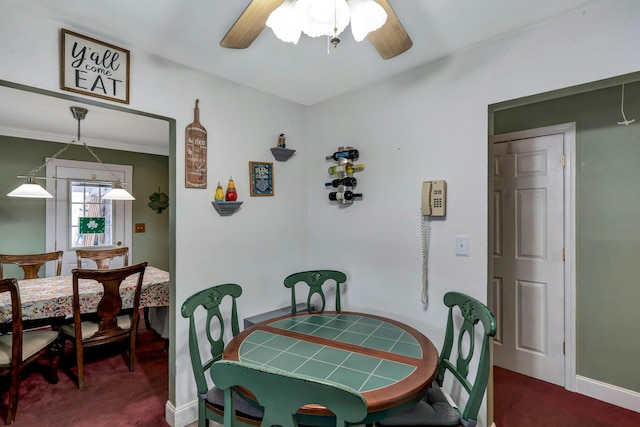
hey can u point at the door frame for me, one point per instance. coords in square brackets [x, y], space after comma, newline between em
[569, 133]
[51, 209]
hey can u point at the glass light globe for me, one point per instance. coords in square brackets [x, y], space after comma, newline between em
[284, 24]
[366, 16]
[320, 17]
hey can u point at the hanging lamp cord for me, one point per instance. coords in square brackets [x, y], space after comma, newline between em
[63, 149]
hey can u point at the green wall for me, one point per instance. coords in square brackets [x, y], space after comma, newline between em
[22, 221]
[607, 224]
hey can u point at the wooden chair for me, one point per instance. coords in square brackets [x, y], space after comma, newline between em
[19, 348]
[31, 263]
[281, 394]
[435, 409]
[111, 324]
[102, 257]
[211, 404]
[315, 279]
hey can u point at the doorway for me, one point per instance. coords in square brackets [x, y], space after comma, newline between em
[73, 190]
[532, 285]
[41, 111]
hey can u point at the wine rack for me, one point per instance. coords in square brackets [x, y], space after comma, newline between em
[342, 181]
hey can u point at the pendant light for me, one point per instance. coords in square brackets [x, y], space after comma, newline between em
[31, 189]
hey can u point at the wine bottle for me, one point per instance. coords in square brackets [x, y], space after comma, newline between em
[348, 168]
[348, 181]
[346, 154]
[347, 195]
[231, 195]
[219, 195]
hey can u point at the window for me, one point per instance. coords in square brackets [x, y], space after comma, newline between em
[85, 202]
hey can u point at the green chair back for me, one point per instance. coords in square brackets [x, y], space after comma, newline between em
[209, 299]
[473, 313]
[281, 394]
[315, 279]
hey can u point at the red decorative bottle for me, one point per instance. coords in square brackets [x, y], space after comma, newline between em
[231, 195]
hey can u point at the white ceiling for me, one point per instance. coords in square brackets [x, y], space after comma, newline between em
[189, 32]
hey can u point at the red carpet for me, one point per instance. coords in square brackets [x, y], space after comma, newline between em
[112, 396]
[522, 401]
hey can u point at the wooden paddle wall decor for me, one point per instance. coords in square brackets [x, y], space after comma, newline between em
[195, 156]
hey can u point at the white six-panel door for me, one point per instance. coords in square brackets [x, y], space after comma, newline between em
[528, 268]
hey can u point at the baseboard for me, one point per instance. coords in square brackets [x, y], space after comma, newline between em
[612, 394]
[183, 416]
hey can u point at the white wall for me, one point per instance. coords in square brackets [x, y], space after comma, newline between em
[430, 123]
[257, 246]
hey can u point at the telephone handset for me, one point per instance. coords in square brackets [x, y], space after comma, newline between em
[434, 198]
[434, 203]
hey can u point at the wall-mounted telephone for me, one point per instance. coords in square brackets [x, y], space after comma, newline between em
[434, 203]
[434, 198]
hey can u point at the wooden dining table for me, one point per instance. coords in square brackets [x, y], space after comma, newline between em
[50, 298]
[389, 362]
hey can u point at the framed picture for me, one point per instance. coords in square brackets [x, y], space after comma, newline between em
[91, 67]
[261, 179]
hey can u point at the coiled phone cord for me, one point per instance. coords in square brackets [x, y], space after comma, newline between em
[426, 233]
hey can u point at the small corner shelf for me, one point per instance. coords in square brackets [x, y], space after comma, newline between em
[282, 154]
[226, 208]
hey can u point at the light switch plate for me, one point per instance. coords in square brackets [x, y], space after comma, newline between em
[140, 228]
[462, 245]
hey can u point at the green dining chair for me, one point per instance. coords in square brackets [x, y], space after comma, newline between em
[282, 394]
[437, 408]
[211, 399]
[315, 279]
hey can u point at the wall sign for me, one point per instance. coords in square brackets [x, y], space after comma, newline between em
[261, 179]
[195, 152]
[93, 68]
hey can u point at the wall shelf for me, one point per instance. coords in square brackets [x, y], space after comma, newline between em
[226, 208]
[282, 154]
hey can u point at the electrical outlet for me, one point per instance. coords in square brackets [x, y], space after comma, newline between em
[140, 228]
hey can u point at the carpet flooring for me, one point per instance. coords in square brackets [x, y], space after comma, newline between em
[111, 396]
[522, 401]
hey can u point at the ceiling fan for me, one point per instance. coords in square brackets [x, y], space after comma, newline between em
[390, 40]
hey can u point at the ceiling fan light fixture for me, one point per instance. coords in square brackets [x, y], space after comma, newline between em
[390, 39]
[284, 24]
[319, 18]
[366, 16]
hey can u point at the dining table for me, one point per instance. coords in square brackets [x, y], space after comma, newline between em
[390, 363]
[47, 299]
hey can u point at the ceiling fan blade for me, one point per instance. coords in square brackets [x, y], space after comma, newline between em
[250, 24]
[391, 39]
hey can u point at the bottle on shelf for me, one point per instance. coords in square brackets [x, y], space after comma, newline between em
[345, 154]
[348, 181]
[219, 195]
[347, 195]
[231, 195]
[282, 141]
[347, 168]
